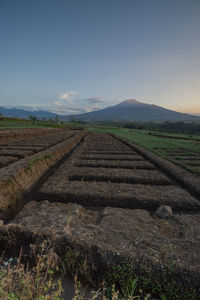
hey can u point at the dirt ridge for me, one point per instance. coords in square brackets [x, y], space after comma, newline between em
[190, 181]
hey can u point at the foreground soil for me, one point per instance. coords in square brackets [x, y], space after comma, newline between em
[96, 211]
[106, 239]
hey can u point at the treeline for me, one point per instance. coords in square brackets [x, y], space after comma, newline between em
[171, 127]
[50, 120]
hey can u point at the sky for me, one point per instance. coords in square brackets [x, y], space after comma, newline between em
[72, 56]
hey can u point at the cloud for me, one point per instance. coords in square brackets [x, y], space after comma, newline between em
[63, 104]
[94, 100]
[58, 103]
[68, 95]
[66, 110]
[63, 99]
[93, 108]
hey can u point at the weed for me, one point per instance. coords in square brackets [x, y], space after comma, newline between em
[11, 179]
[32, 163]
[76, 264]
[163, 297]
[129, 289]
[49, 156]
[17, 281]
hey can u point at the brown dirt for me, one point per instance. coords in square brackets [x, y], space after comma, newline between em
[118, 175]
[163, 252]
[20, 134]
[156, 249]
[117, 194]
[20, 147]
[110, 152]
[103, 147]
[113, 157]
[145, 165]
[6, 160]
[18, 178]
[17, 153]
[187, 180]
[23, 148]
[93, 186]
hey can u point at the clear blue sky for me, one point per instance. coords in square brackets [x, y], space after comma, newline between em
[75, 55]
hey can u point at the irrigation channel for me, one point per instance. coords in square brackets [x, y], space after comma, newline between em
[96, 207]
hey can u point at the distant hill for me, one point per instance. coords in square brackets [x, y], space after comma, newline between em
[126, 111]
[133, 110]
[24, 114]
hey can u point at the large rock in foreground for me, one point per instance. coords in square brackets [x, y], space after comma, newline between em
[162, 252]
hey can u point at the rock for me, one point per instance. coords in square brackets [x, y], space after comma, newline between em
[164, 211]
[1, 222]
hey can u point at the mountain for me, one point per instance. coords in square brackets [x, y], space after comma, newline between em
[24, 114]
[126, 111]
[133, 110]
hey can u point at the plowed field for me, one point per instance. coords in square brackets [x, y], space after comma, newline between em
[28, 145]
[100, 203]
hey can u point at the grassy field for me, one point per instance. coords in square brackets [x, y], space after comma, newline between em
[15, 123]
[174, 135]
[160, 145]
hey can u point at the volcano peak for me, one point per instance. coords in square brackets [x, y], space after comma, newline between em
[130, 101]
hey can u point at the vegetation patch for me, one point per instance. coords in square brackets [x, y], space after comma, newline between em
[32, 163]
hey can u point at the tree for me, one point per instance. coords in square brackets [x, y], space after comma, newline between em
[33, 118]
[56, 119]
[72, 119]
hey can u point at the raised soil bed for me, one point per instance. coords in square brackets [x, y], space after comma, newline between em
[6, 160]
[147, 197]
[118, 175]
[114, 243]
[145, 165]
[19, 178]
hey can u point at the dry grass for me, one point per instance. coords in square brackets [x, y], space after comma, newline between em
[18, 281]
[39, 282]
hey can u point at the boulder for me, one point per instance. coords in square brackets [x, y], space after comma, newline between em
[164, 211]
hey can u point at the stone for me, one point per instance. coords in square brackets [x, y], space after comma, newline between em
[164, 211]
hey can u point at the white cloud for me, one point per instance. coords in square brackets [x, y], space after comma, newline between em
[68, 95]
[65, 110]
[93, 108]
[63, 104]
[63, 99]
[58, 103]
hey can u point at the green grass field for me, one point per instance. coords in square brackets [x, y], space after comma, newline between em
[159, 145]
[14, 123]
[179, 135]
